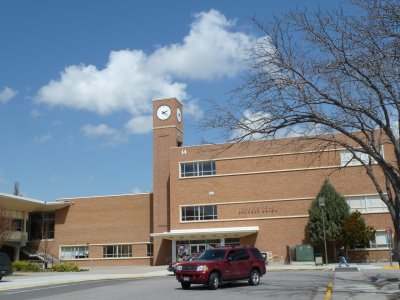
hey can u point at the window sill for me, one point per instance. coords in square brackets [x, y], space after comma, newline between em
[370, 249]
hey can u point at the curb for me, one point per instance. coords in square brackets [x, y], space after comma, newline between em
[391, 267]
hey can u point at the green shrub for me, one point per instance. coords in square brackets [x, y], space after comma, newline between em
[65, 267]
[25, 266]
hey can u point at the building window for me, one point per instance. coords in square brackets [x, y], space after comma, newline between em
[380, 240]
[347, 158]
[117, 251]
[17, 225]
[149, 249]
[367, 204]
[198, 213]
[196, 169]
[41, 225]
[74, 252]
[232, 242]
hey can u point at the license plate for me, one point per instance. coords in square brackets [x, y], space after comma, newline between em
[186, 278]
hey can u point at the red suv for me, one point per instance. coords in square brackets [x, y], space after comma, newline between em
[218, 265]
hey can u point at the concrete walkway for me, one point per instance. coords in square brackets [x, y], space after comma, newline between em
[349, 283]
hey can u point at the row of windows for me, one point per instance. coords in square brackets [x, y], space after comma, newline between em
[74, 252]
[367, 204]
[199, 168]
[117, 251]
[364, 204]
[199, 212]
[109, 251]
[380, 240]
[348, 159]
[207, 168]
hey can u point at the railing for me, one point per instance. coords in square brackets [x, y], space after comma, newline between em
[44, 256]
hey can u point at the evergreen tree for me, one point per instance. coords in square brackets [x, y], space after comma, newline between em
[335, 211]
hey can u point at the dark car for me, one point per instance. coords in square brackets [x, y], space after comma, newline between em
[216, 266]
[5, 265]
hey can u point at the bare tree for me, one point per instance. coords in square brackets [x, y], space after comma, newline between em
[333, 79]
[17, 191]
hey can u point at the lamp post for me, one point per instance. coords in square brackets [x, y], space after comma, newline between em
[321, 201]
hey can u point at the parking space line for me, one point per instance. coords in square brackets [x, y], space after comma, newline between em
[329, 289]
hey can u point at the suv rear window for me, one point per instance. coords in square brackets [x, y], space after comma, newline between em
[242, 254]
[212, 254]
[256, 253]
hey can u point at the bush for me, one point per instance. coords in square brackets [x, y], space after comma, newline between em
[65, 267]
[25, 266]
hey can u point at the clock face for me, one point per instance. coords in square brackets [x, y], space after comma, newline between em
[163, 112]
[178, 114]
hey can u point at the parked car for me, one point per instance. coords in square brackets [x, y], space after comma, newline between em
[5, 265]
[172, 266]
[216, 266]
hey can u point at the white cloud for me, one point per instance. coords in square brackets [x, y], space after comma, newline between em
[132, 78]
[35, 113]
[7, 94]
[99, 130]
[141, 124]
[42, 139]
[250, 124]
[209, 51]
[192, 108]
[113, 136]
[136, 190]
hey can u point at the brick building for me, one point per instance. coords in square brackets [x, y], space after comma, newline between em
[253, 193]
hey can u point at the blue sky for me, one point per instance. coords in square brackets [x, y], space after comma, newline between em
[78, 78]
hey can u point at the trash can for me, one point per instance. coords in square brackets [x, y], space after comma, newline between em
[318, 259]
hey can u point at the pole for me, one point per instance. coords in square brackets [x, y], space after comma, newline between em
[321, 202]
[323, 226]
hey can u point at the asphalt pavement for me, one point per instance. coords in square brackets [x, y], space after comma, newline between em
[359, 281]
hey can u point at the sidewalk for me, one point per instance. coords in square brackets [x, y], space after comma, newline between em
[347, 281]
[20, 280]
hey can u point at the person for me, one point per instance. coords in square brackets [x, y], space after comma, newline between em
[342, 257]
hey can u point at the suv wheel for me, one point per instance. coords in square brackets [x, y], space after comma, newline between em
[254, 278]
[213, 281]
[185, 285]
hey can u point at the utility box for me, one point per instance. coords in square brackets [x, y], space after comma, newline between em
[304, 253]
[319, 259]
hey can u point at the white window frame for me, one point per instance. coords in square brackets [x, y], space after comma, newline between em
[199, 213]
[117, 251]
[380, 241]
[347, 158]
[197, 169]
[366, 204]
[75, 252]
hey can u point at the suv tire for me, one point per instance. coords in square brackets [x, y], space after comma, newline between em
[254, 277]
[185, 285]
[213, 281]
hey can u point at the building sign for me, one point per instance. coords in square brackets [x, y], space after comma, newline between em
[257, 210]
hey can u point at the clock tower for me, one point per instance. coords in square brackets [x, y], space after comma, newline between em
[167, 133]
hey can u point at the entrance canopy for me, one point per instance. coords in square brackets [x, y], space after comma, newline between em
[19, 203]
[207, 233]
